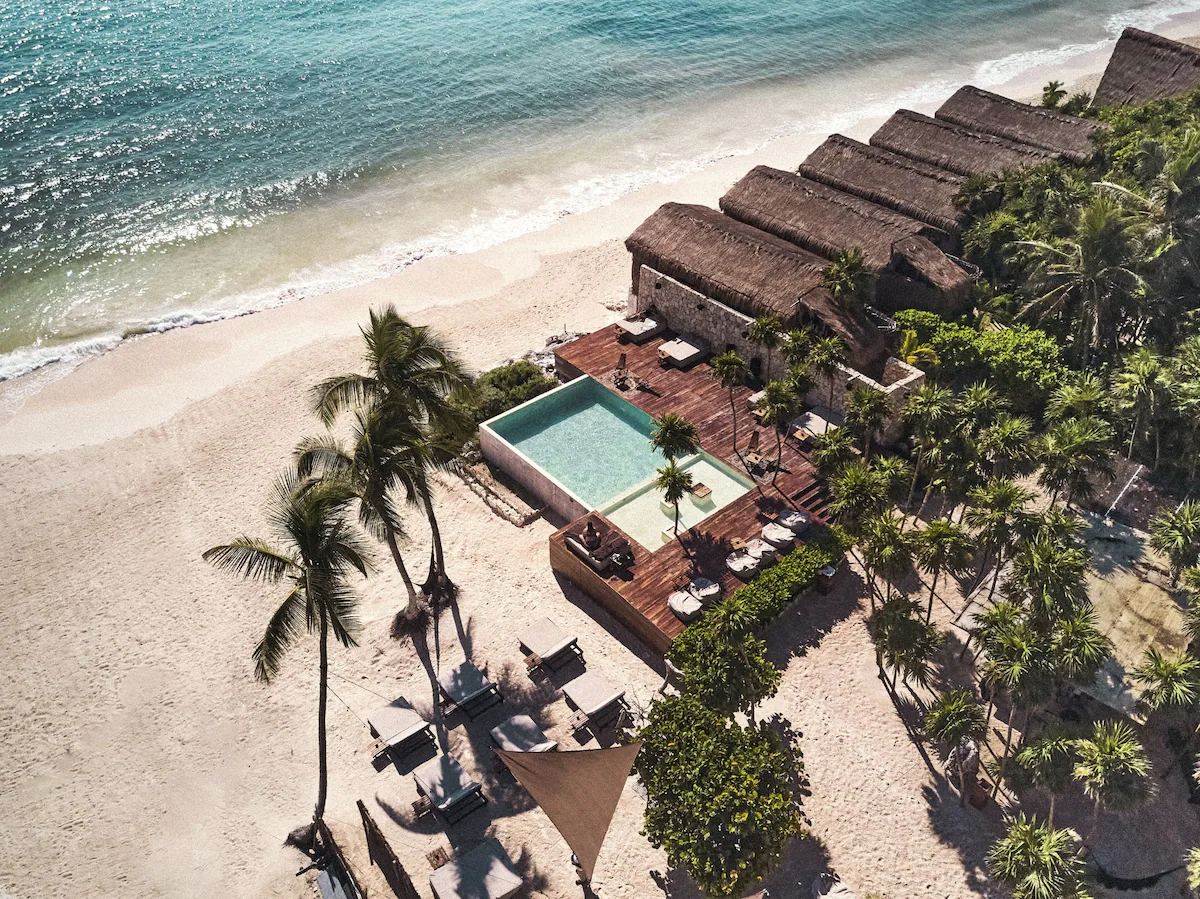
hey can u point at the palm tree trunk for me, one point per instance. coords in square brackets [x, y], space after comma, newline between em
[437, 559]
[414, 605]
[912, 487]
[932, 591]
[733, 413]
[1012, 713]
[1050, 816]
[322, 761]
[962, 779]
[778, 456]
[996, 574]
[1137, 419]
[831, 374]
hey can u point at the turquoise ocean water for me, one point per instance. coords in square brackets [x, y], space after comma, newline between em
[163, 163]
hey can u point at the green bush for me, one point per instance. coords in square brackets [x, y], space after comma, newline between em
[719, 797]
[728, 674]
[504, 388]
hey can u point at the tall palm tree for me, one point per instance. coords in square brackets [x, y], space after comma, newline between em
[1080, 395]
[978, 407]
[866, 411]
[896, 473]
[1176, 534]
[1037, 862]
[912, 352]
[316, 550]
[858, 493]
[1048, 761]
[798, 344]
[1050, 578]
[730, 370]
[1079, 649]
[1006, 446]
[926, 412]
[828, 356]
[942, 547]
[835, 450]
[1020, 664]
[1053, 94]
[767, 331]
[956, 721]
[779, 406]
[1169, 682]
[1113, 768]
[903, 641]
[1139, 386]
[412, 375]
[377, 464]
[848, 279]
[675, 483]
[994, 512]
[674, 436]
[1075, 453]
[887, 552]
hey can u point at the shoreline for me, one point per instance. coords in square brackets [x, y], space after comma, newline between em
[112, 394]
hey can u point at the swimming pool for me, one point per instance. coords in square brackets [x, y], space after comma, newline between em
[581, 447]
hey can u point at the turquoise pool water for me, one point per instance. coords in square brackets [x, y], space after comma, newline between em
[587, 438]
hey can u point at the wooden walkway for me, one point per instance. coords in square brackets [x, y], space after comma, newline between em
[639, 599]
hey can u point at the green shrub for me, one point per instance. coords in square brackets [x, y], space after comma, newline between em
[719, 797]
[504, 388]
[728, 674]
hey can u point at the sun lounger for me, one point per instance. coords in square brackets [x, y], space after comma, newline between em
[705, 590]
[548, 645]
[398, 726]
[468, 689]
[817, 422]
[795, 520]
[486, 872]
[594, 699]
[687, 608]
[742, 565]
[520, 733]
[762, 551]
[779, 537]
[639, 330]
[450, 792]
[683, 352]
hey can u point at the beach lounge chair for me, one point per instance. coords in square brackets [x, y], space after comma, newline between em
[486, 872]
[761, 550]
[451, 793]
[816, 422]
[754, 459]
[468, 689]
[683, 352]
[548, 645]
[639, 330]
[398, 727]
[795, 520]
[742, 565]
[596, 702]
[705, 590]
[687, 607]
[520, 733]
[783, 540]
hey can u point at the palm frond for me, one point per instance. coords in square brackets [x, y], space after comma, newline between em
[252, 558]
[285, 626]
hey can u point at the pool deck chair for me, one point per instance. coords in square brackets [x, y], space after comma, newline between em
[548, 645]
[520, 733]
[399, 728]
[595, 700]
[486, 872]
[451, 793]
[468, 689]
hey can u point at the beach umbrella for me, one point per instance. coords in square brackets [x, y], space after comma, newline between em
[578, 791]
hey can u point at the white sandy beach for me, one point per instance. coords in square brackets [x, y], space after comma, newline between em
[140, 758]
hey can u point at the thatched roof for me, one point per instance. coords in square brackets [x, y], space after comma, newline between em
[820, 218]
[953, 147]
[748, 270]
[922, 191]
[988, 113]
[916, 256]
[1146, 67]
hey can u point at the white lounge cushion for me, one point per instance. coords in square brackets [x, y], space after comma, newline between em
[741, 564]
[686, 607]
[795, 520]
[779, 537]
[708, 592]
[761, 550]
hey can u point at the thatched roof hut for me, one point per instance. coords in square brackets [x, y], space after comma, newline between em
[921, 191]
[748, 270]
[1146, 67]
[987, 113]
[820, 218]
[953, 147]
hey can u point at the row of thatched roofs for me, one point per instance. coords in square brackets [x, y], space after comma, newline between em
[765, 252]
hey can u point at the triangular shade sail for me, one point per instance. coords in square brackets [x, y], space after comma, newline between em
[578, 791]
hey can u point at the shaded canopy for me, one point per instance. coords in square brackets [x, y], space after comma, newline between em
[578, 791]
[1069, 136]
[952, 147]
[915, 189]
[1146, 67]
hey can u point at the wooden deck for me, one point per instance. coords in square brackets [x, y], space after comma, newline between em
[639, 598]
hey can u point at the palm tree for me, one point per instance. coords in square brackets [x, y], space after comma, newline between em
[978, 407]
[896, 474]
[674, 436]
[858, 493]
[887, 551]
[1079, 649]
[767, 330]
[1081, 395]
[866, 411]
[316, 551]
[1053, 94]
[828, 356]
[730, 370]
[1037, 862]
[1050, 578]
[903, 642]
[1048, 761]
[1176, 534]
[926, 412]
[994, 512]
[1113, 768]
[1139, 386]
[1019, 663]
[1075, 453]
[412, 376]
[778, 407]
[798, 343]
[1193, 870]
[956, 721]
[912, 352]
[941, 547]
[1169, 682]
[1006, 446]
[383, 457]
[676, 483]
[848, 279]
[835, 450]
